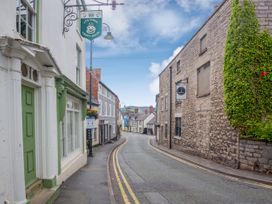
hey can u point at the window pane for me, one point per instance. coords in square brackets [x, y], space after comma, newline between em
[69, 131]
[178, 66]
[23, 28]
[77, 131]
[30, 34]
[32, 3]
[63, 141]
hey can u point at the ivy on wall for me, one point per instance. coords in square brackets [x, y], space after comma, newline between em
[247, 73]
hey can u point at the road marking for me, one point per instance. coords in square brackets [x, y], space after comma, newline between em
[123, 193]
[208, 170]
[132, 194]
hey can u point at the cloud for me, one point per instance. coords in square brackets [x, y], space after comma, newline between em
[141, 24]
[168, 25]
[156, 68]
[189, 5]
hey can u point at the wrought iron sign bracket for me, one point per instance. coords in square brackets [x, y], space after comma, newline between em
[69, 15]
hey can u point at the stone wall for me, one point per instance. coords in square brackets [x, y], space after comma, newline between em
[206, 130]
[164, 114]
[256, 156]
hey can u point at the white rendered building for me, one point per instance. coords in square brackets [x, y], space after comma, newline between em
[43, 98]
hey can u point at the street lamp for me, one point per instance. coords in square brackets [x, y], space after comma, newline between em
[108, 36]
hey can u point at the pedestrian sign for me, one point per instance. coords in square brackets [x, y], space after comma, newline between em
[91, 24]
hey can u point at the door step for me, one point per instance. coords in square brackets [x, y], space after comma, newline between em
[46, 196]
[34, 188]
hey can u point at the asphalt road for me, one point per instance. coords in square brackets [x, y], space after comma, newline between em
[158, 179]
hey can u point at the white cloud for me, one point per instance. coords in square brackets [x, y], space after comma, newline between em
[156, 68]
[189, 5]
[138, 20]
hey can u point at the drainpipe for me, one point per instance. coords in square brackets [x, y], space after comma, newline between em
[170, 109]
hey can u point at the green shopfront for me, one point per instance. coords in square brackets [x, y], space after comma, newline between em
[71, 111]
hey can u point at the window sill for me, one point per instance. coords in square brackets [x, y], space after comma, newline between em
[177, 137]
[202, 96]
[70, 157]
[179, 102]
[203, 52]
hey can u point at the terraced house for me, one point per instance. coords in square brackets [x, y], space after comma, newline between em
[191, 114]
[43, 99]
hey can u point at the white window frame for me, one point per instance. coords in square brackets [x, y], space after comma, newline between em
[77, 133]
[29, 10]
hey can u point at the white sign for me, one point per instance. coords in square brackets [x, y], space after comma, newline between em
[90, 123]
[181, 91]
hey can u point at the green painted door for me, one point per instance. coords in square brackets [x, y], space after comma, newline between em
[28, 110]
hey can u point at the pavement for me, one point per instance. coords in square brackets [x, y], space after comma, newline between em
[213, 166]
[89, 185]
[160, 179]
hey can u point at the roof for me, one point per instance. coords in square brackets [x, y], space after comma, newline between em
[108, 89]
[152, 121]
[142, 117]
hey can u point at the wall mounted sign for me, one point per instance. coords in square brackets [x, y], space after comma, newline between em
[90, 123]
[181, 89]
[91, 24]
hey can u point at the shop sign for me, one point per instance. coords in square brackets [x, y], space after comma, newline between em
[90, 123]
[91, 24]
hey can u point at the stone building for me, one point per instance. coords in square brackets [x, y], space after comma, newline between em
[43, 99]
[191, 113]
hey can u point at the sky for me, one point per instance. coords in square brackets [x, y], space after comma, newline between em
[147, 35]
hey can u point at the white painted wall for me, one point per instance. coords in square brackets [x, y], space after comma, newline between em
[63, 47]
[8, 17]
[149, 118]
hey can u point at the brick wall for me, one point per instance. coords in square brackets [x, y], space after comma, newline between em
[96, 76]
[206, 130]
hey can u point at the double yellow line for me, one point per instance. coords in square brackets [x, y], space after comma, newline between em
[122, 180]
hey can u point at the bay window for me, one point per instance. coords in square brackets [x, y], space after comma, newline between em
[71, 127]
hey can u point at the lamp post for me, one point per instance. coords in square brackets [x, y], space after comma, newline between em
[108, 36]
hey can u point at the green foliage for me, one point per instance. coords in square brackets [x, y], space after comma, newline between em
[92, 113]
[247, 94]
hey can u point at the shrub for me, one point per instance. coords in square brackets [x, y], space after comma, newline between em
[247, 70]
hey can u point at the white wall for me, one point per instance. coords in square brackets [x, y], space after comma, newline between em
[5, 186]
[63, 47]
[8, 19]
[149, 118]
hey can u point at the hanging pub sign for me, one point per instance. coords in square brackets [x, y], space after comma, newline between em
[91, 24]
[181, 90]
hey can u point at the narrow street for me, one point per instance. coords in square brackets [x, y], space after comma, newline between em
[156, 178]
